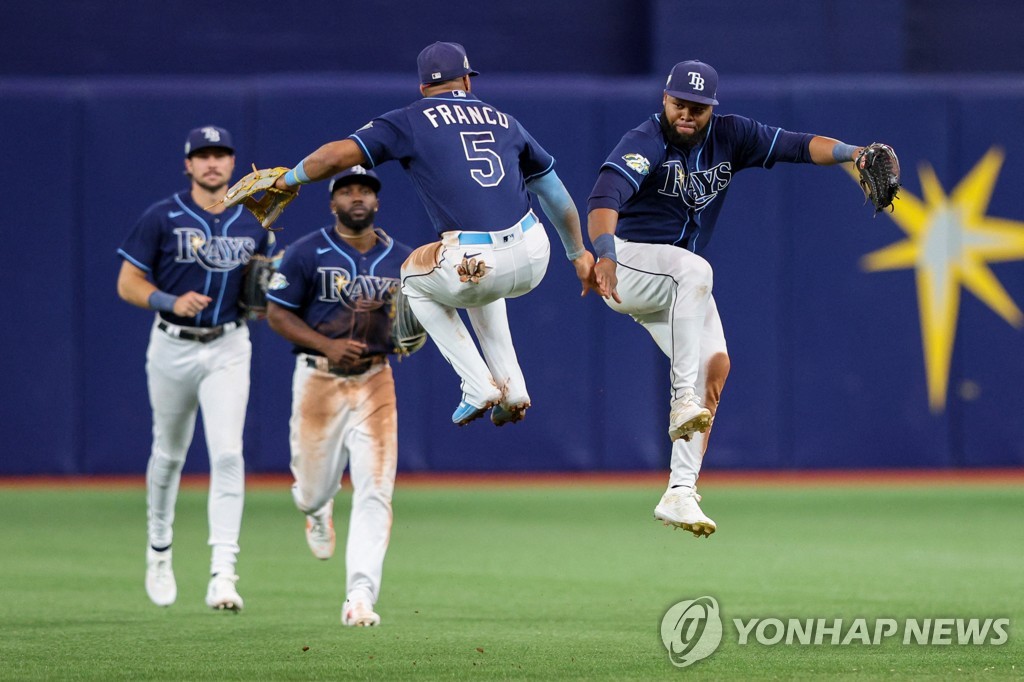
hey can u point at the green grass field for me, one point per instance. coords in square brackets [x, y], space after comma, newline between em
[491, 582]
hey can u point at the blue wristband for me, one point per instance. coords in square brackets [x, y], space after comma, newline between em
[297, 176]
[843, 152]
[604, 245]
[162, 301]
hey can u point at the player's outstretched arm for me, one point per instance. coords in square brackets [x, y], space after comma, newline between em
[827, 151]
[601, 224]
[560, 209]
[329, 159]
[876, 166]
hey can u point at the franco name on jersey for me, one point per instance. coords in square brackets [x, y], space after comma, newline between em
[468, 114]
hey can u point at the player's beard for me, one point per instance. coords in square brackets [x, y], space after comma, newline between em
[357, 225]
[207, 186]
[676, 138]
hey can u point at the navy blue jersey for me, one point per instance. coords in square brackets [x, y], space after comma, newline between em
[184, 248]
[468, 161]
[339, 292]
[674, 196]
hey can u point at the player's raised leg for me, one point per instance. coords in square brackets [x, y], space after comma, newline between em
[667, 290]
[429, 290]
[318, 458]
[490, 322]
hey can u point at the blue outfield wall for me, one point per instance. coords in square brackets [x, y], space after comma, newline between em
[828, 359]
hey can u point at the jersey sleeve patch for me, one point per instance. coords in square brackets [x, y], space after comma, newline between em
[638, 162]
[277, 282]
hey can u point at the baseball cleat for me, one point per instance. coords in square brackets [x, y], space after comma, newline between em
[501, 414]
[687, 417]
[678, 507]
[222, 595]
[467, 412]
[160, 584]
[358, 614]
[320, 531]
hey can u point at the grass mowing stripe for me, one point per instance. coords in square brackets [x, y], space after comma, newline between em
[513, 583]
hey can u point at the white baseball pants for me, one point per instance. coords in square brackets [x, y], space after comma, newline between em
[668, 291]
[340, 421]
[516, 260]
[184, 376]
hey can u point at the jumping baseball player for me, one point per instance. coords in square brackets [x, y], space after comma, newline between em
[653, 208]
[187, 262]
[332, 298]
[472, 166]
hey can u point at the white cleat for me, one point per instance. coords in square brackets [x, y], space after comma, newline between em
[510, 413]
[678, 507]
[320, 531]
[359, 614]
[222, 595]
[687, 417]
[160, 584]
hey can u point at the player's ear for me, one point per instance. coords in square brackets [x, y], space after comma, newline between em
[466, 84]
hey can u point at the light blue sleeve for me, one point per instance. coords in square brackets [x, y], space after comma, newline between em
[559, 208]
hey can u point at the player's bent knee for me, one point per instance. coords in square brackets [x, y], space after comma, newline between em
[308, 501]
[702, 274]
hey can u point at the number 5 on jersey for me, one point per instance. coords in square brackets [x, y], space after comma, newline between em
[476, 147]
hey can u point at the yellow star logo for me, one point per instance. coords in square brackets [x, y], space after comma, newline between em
[950, 242]
[340, 282]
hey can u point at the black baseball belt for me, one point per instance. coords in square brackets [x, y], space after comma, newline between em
[323, 364]
[200, 334]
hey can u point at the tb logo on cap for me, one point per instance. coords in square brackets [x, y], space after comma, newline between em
[696, 80]
[211, 134]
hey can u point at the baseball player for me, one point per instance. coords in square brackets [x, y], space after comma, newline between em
[332, 298]
[653, 208]
[187, 262]
[472, 166]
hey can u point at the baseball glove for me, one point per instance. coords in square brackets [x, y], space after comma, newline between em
[268, 207]
[253, 298]
[879, 172]
[471, 270]
[407, 334]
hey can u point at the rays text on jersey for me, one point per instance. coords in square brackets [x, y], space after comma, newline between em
[216, 254]
[338, 285]
[698, 187]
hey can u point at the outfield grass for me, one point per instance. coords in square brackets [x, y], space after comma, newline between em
[514, 583]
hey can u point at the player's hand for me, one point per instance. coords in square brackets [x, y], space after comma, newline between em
[190, 304]
[607, 280]
[343, 351]
[585, 272]
[283, 186]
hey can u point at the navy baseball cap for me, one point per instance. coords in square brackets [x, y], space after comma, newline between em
[208, 136]
[442, 62]
[355, 174]
[693, 81]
